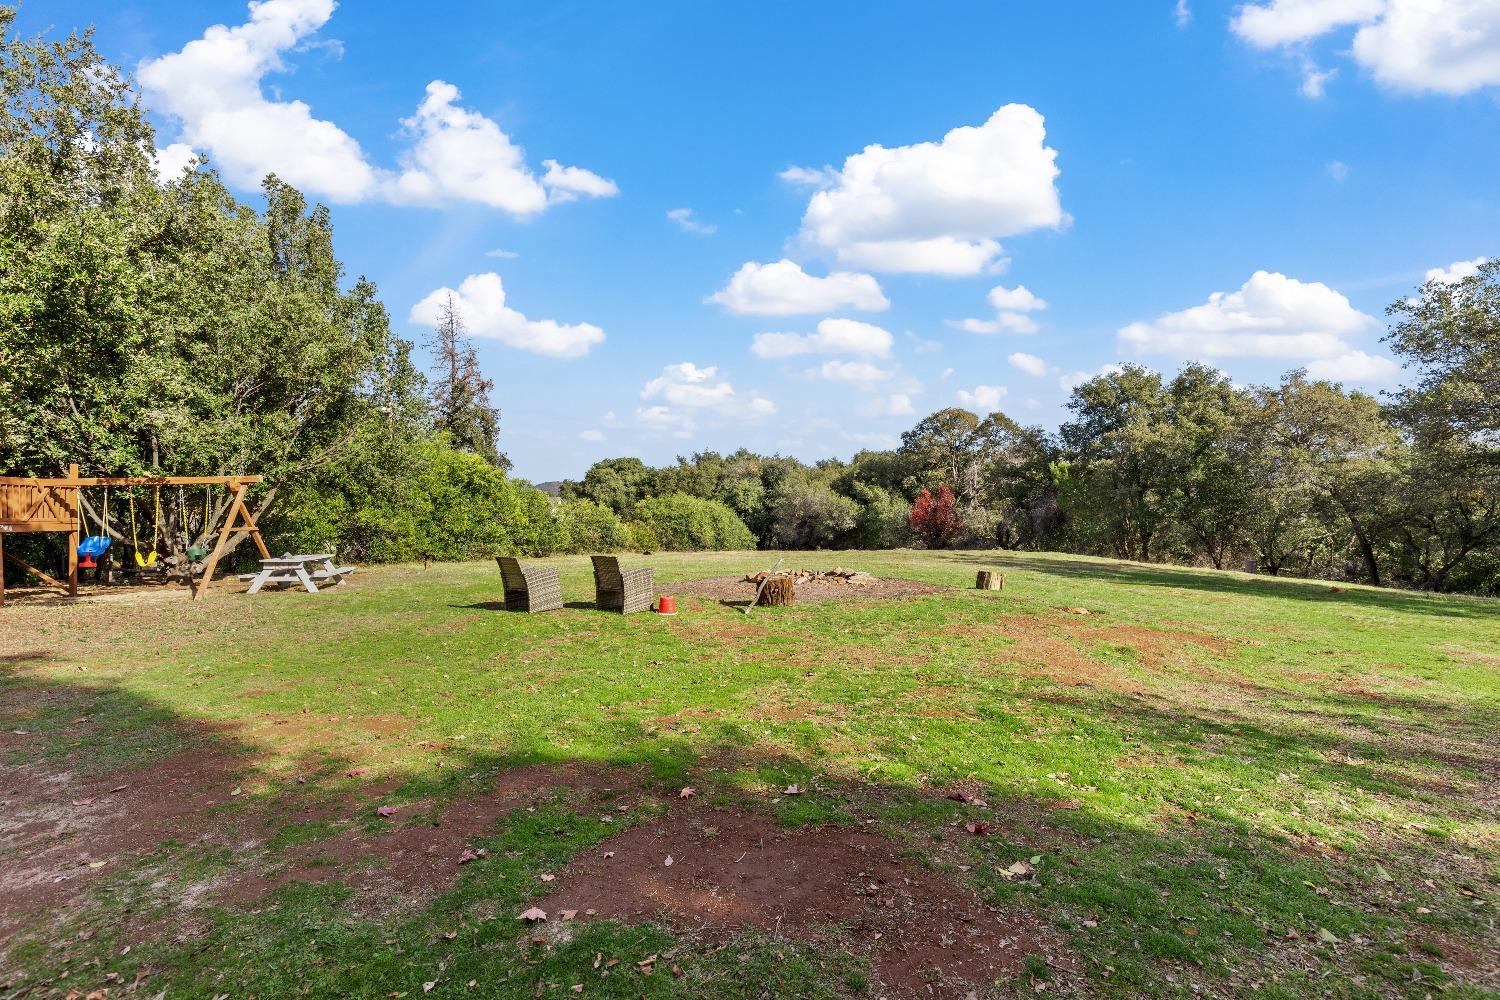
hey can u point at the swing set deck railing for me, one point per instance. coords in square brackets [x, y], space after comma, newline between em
[42, 505]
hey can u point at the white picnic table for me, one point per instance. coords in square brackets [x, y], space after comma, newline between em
[287, 569]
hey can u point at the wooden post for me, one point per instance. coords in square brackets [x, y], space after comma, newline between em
[2, 569]
[989, 579]
[777, 590]
[237, 509]
[73, 536]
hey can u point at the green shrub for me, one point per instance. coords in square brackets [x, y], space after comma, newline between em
[687, 523]
[592, 527]
[884, 519]
[642, 537]
[534, 529]
[465, 508]
[810, 516]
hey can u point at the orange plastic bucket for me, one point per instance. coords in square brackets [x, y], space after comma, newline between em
[667, 606]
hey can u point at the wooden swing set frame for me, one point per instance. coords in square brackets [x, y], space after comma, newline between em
[30, 505]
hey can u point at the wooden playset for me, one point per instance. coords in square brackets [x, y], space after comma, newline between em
[54, 506]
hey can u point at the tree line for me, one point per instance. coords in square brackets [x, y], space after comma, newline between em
[160, 325]
[1302, 477]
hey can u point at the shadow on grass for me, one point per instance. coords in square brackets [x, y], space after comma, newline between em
[1140, 905]
[1313, 591]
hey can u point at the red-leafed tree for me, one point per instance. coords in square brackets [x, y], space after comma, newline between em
[934, 519]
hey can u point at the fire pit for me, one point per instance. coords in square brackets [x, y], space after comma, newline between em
[853, 577]
[810, 585]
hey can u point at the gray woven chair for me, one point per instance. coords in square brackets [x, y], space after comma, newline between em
[529, 588]
[620, 590]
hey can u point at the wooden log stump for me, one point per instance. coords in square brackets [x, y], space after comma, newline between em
[778, 590]
[989, 579]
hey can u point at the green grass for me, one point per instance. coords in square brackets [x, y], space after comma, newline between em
[1229, 782]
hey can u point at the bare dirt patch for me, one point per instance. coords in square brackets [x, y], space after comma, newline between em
[415, 859]
[59, 830]
[738, 590]
[729, 871]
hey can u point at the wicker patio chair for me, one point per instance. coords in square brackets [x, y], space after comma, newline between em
[623, 590]
[529, 588]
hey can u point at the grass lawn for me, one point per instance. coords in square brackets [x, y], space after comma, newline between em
[1208, 783]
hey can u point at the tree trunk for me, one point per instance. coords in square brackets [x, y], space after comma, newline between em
[778, 590]
[989, 580]
[1367, 552]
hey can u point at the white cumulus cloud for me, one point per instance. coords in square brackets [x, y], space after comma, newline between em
[1012, 306]
[480, 300]
[212, 87]
[1457, 271]
[1072, 380]
[937, 207]
[212, 90]
[983, 398]
[782, 288]
[686, 386]
[850, 371]
[460, 155]
[833, 336]
[1269, 316]
[1354, 366]
[172, 160]
[1436, 46]
[684, 218]
[897, 404]
[1028, 363]
[1018, 299]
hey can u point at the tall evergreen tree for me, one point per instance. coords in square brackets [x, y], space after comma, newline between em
[460, 392]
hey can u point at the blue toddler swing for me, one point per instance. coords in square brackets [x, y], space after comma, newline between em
[94, 545]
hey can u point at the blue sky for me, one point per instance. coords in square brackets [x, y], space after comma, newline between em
[1152, 181]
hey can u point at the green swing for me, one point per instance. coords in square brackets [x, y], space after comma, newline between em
[196, 552]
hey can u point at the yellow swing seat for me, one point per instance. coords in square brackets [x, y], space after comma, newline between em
[148, 560]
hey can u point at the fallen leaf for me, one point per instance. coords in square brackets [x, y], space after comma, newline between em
[1018, 869]
[467, 856]
[668, 863]
[547, 876]
[533, 914]
[450, 935]
[354, 772]
[791, 790]
[687, 793]
[385, 811]
[577, 987]
[959, 796]
[236, 791]
[427, 986]
[569, 914]
[978, 827]
[84, 802]
[608, 855]
[1327, 936]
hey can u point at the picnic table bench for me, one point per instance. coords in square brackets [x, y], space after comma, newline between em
[287, 569]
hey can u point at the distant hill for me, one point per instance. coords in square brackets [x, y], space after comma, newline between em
[553, 488]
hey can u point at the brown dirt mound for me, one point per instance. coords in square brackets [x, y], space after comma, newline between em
[736, 590]
[926, 934]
